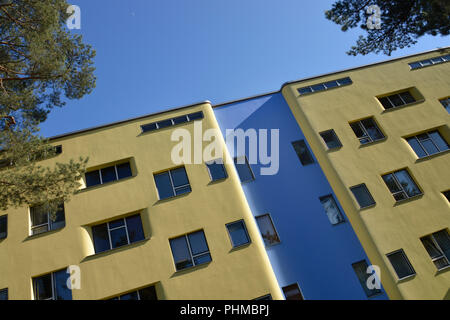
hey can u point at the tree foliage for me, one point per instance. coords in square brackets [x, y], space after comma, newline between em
[402, 22]
[42, 64]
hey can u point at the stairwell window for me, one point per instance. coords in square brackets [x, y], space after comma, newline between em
[267, 229]
[52, 286]
[172, 183]
[108, 174]
[438, 248]
[360, 269]
[43, 221]
[303, 152]
[117, 233]
[238, 233]
[362, 196]
[401, 185]
[367, 131]
[428, 143]
[332, 210]
[216, 170]
[190, 250]
[243, 169]
[331, 139]
[397, 100]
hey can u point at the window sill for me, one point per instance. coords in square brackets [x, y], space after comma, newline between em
[242, 246]
[217, 181]
[367, 207]
[174, 197]
[440, 271]
[43, 234]
[399, 202]
[407, 278]
[191, 269]
[373, 142]
[434, 155]
[97, 186]
[118, 249]
[402, 106]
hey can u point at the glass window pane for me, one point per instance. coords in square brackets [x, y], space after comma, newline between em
[401, 264]
[108, 174]
[415, 65]
[344, 81]
[135, 231]
[180, 252]
[243, 168]
[164, 185]
[437, 60]
[446, 104]
[426, 62]
[443, 240]
[179, 120]
[267, 230]
[438, 140]
[407, 97]
[331, 84]
[303, 152]
[62, 291]
[179, 177]
[181, 190]
[124, 170]
[196, 116]
[372, 129]
[164, 123]
[332, 210]
[59, 220]
[149, 127]
[217, 171]
[38, 216]
[116, 223]
[407, 183]
[416, 147]
[43, 287]
[431, 248]
[385, 102]
[318, 87]
[357, 129]
[148, 293]
[118, 237]
[204, 258]
[305, 90]
[396, 100]
[3, 294]
[130, 296]
[330, 138]
[360, 269]
[390, 182]
[3, 226]
[362, 195]
[197, 241]
[92, 178]
[101, 238]
[238, 233]
[292, 292]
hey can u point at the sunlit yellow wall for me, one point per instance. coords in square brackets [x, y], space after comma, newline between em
[386, 227]
[233, 274]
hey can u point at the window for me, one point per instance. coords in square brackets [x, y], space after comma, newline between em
[428, 143]
[303, 152]
[360, 269]
[42, 221]
[117, 233]
[447, 195]
[367, 131]
[243, 168]
[401, 264]
[267, 229]
[52, 286]
[148, 293]
[331, 209]
[216, 170]
[325, 86]
[3, 226]
[438, 247]
[190, 250]
[330, 138]
[108, 174]
[266, 297]
[172, 183]
[429, 62]
[446, 104]
[401, 185]
[397, 100]
[238, 233]
[292, 292]
[362, 195]
[4, 294]
[171, 122]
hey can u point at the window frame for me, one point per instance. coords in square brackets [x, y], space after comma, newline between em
[235, 159]
[309, 153]
[405, 257]
[174, 189]
[117, 297]
[447, 103]
[273, 226]
[49, 222]
[389, 97]
[336, 139]
[429, 138]
[400, 186]
[115, 171]
[109, 229]
[249, 240]
[212, 162]
[373, 292]
[6, 292]
[153, 126]
[5, 218]
[438, 247]
[421, 63]
[191, 255]
[337, 83]
[366, 132]
[331, 196]
[53, 284]
[368, 193]
[293, 285]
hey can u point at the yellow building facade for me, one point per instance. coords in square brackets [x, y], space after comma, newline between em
[388, 228]
[232, 273]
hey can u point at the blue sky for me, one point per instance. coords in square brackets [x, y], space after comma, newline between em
[158, 54]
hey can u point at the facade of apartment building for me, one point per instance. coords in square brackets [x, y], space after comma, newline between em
[362, 178]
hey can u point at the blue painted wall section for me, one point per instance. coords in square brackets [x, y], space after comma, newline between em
[313, 253]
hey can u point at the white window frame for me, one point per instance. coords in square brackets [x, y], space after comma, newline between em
[442, 256]
[399, 185]
[430, 139]
[190, 250]
[405, 257]
[52, 279]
